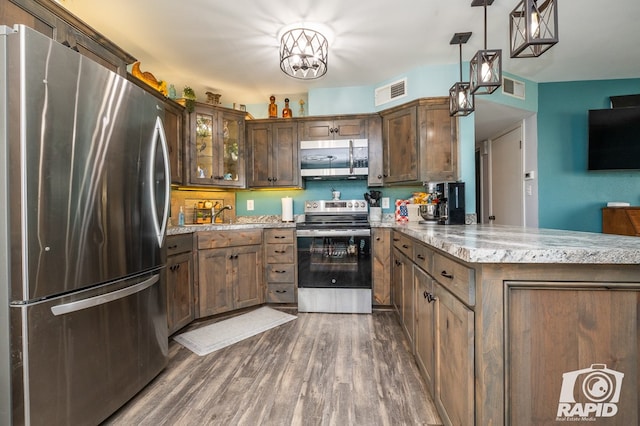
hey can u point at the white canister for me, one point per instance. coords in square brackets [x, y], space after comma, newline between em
[414, 212]
[375, 214]
[287, 209]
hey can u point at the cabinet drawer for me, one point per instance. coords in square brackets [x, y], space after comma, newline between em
[455, 277]
[177, 244]
[281, 293]
[423, 257]
[404, 244]
[217, 239]
[281, 273]
[280, 253]
[279, 236]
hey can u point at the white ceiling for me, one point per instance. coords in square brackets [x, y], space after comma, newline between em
[231, 47]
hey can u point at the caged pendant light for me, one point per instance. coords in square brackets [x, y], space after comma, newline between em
[486, 66]
[461, 99]
[533, 28]
[303, 53]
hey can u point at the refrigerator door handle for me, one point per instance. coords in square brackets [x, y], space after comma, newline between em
[90, 302]
[159, 135]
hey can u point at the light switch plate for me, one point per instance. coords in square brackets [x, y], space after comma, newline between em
[385, 202]
[249, 205]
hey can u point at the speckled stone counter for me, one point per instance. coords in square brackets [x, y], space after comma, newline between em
[242, 222]
[510, 244]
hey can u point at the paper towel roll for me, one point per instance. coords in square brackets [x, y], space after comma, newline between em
[287, 209]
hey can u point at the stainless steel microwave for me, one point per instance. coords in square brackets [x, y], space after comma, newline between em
[335, 159]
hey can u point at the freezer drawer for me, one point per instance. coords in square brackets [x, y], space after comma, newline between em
[88, 353]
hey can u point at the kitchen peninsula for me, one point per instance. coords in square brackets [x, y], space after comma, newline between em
[515, 325]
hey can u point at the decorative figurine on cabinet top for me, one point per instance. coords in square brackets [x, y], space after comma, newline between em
[286, 111]
[273, 108]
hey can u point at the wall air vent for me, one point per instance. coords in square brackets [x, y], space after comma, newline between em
[513, 87]
[390, 92]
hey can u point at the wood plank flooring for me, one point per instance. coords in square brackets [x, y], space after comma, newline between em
[320, 369]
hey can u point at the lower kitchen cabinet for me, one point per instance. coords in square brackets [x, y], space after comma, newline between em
[454, 362]
[381, 264]
[180, 294]
[229, 271]
[402, 275]
[280, 269]
[425, 326]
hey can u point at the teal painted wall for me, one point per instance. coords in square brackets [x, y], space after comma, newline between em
[267, 202]
[570, 197]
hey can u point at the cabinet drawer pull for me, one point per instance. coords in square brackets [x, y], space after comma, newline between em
[175, 246]
[396, 239]
[419, 256]
[405, 246]
[446, 275]
[280, 251]
[279, 271]
[279, 237]
[281, 291]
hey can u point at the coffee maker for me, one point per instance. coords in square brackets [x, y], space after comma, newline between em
[450, 210]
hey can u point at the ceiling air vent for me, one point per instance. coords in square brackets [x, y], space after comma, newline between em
[390, 92]
[513, 87]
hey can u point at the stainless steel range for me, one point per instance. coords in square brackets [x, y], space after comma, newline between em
[334, 257]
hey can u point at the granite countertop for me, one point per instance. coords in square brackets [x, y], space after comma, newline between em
[242, 222]
[512, 244]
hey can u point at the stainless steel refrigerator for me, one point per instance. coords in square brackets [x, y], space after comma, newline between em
[84, 201]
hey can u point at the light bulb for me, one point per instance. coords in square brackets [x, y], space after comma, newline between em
[486, 73]
[462, 98]
[535, 24]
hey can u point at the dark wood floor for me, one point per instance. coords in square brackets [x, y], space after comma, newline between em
[320, 369]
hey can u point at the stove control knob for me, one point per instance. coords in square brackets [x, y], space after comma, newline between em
[349, 204]
[315, 205]
[361, 203]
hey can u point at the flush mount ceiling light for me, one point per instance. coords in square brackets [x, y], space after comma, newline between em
[460, 96]
[303, 53]
[533, 28]
[486, 65]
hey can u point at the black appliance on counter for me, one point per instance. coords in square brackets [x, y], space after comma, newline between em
[451, 210]
[334, 257]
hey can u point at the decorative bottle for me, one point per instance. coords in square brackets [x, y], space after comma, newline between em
[181, 217]
[273, 108]
[286, 111]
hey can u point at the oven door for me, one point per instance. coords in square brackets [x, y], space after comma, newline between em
[334, 258]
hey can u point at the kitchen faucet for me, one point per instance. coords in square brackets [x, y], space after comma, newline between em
[227, 207]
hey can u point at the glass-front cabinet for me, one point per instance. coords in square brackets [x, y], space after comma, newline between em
[216, 147]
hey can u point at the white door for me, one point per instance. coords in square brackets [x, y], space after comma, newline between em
[507, 195]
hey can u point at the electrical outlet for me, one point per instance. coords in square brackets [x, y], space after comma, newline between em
[249, 205]
[385, 202]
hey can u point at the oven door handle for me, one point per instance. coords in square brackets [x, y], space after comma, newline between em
[333, 232]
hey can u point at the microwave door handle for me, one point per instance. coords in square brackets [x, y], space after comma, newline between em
[350, 157]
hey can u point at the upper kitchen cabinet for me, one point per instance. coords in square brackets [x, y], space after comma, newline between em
[420, 142]
[51, 19]
[273, 159]
[333, 128]
[216, 147]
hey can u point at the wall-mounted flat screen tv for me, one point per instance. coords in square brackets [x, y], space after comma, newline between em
[614, 139]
